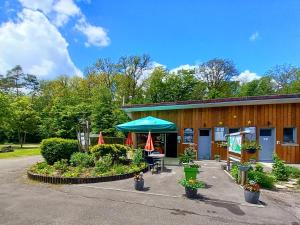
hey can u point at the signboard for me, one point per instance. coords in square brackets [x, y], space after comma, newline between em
[235, 143]
[188, 135]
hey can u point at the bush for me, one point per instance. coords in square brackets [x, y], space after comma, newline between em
[293, 172]
[138, 157]
[259, 168]
[189, 155]
[117, 151]
[279, 170]
[61, 165]
[104, 164]
[82, 159]
[56, 149]
[234, 172]
[263, 179]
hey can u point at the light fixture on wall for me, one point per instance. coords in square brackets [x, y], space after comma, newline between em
[220, 123]
[249, 122]
[269, 123]
[204, 124]
[234, 117]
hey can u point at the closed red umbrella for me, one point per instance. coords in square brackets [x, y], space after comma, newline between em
[149, 145]
[100, 139]
[129, 141]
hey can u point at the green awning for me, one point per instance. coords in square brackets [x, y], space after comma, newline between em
[147, 124]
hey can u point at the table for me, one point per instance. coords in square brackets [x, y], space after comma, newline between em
[159, 156]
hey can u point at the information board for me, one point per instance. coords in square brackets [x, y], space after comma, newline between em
[235, 143]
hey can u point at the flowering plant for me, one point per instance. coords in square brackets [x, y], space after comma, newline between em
[192, 183]
[252, 186]
[138, 177]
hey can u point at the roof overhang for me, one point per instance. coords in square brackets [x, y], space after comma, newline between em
[210, 105]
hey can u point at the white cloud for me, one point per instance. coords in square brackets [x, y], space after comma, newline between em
[183, 67]
[59, 13]
[96, 35]
[254, 36]
[41, 51]
[246, 76]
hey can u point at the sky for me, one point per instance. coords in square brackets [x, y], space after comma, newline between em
[54, 37]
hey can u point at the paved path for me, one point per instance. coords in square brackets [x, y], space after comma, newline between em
[25, 202]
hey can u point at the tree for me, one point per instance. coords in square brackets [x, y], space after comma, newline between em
[132, 68]
[24, 119]
[263, 86]
[215, 72]
[283, 75]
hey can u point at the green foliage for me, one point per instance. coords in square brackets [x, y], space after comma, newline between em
[55, 149]
[194, 184]
[189, 155]
[138, 157]
[259, 167]
[251, 145]
[293, 172]
[279, 170]
[234, 172]
[42, 168]
[61, 165]
[82, 159]
[117, 151]
[104, 164]
[263, 179]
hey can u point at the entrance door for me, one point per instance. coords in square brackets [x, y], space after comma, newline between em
[267, 142]
[171, 144]
[204, 143]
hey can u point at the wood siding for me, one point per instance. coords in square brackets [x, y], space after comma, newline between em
[276, 116]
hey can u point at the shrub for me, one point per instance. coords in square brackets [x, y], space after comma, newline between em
[104, 164]
[279, 170]
[234, 172]
[293, 172]
[55, 149]
[42, 168]
[120, 169]
[263, 179]
[188, 156]
[117, 151]
[82, 159]
[61, 165]
[259, 168]
[298, 182]
[138, 157]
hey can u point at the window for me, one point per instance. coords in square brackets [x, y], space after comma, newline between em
[251, 136]
[289, 135]
[188, 135]
[220, 133]
[233, 130]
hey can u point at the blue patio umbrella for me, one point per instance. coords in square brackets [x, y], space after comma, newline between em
[147, 124]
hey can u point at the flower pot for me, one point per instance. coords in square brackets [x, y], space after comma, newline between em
[251, 150]
[251, 197]
[139, 185]
[191, 193]
[244, 168]
[190, 173]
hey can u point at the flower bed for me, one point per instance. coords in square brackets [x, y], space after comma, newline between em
[77, 175]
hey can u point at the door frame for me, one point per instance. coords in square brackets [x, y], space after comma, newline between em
[210, 144]
[273, 132]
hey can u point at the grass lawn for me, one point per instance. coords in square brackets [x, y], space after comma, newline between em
[27, 150]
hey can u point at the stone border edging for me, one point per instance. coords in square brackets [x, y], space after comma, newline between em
[79, 180]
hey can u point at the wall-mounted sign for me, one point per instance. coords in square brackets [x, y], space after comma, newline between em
[188, 135]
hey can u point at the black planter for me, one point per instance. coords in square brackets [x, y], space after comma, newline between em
[191, 193]
[139, 185]
[251, 150]
[251, 197]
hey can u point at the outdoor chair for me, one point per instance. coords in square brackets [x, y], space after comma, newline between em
[152, 164]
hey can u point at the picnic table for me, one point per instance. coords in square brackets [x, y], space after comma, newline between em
[159, 157]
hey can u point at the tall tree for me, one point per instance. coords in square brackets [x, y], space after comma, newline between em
[215, 72]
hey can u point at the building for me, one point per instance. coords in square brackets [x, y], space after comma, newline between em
[274, 121]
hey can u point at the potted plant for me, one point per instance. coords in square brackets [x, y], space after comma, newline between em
[139, 182]
[188, 156]
[252, 192]
[251, 147]
[244, 166]
[191, 171]
[223, 144]
[217, 157]
[191, 187]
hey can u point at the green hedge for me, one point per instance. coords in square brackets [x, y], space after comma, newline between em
[56, 149]
[117, 151]
[82, 159]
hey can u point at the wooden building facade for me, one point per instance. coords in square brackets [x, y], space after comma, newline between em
[274, 121]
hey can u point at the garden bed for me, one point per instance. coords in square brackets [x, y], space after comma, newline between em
[82, 177]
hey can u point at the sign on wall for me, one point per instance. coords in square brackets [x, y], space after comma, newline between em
[235, 143]
[188, 135]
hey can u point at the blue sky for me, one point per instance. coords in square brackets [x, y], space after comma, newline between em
[256, 35]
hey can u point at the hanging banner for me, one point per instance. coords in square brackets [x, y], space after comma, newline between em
[235, 143]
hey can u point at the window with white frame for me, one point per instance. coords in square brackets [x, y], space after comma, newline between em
[220, 133]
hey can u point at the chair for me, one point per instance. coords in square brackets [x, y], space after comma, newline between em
[151, 163]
